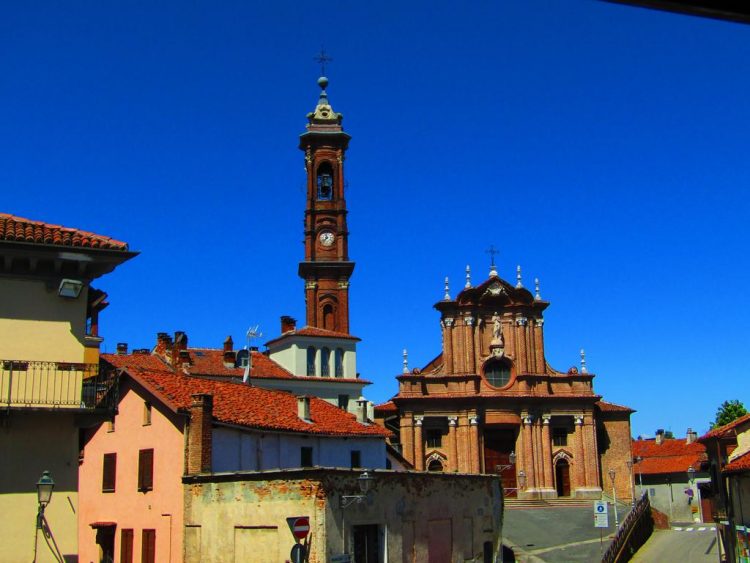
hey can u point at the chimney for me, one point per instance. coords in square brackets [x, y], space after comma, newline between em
[122, 348]
[163, 345]
[691, 436]
[362, 410]
[303, 408]
[199, 434]
[183, 359]
[228, 344]
[288, 324]
[659, 436]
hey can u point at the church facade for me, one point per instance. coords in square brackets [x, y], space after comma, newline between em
[490, 403]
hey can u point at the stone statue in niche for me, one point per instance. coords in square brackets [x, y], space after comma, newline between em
[497, 331]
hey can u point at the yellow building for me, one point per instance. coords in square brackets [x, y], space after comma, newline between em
[50, 385]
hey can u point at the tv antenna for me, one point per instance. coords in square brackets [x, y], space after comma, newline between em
[252, 332]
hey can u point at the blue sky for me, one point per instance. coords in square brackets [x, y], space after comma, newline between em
[602, 147]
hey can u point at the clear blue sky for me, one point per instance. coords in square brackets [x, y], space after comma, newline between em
[602, 147]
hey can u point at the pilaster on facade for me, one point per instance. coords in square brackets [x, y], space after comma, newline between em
[418, 443]
[474, 443]
[547, 452]
[453, 464]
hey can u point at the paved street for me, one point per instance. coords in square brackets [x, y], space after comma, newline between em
[556, 534]
[689, 544]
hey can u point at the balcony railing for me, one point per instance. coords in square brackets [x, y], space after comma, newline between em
[56, 385]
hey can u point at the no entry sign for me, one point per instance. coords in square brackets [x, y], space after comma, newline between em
[300, 526]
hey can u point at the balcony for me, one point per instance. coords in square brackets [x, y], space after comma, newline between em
[56, 385]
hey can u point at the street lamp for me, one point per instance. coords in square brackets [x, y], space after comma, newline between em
[632, 481]
[614, 496]
[502, 467]
[691, 474]
[638, 459]
[365, 481]
[44, 488]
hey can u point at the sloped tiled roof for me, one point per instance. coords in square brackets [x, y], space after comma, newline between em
[316, 332]
[722, 431]
[142, 361]
[738, 465]
[209, 361]
[671, 456]
[253, 407]
[606, 406]
[388, 407]
[18, 229]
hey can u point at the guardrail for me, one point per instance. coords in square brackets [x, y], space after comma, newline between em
[40, 384]
[633, 533]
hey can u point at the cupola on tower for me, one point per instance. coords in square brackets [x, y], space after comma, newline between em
[326, 268]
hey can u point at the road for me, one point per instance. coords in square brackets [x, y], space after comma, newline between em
[691, 544]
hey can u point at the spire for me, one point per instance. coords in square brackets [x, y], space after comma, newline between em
[583, 361]
[519, 285]
[447, 296]
[468, 277]
[537, 295]
[406, 361]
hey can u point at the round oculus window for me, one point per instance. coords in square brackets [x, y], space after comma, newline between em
[497, 373]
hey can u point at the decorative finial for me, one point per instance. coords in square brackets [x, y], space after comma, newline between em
[583, 361]
[447, 296]
[492, 251]
[537, 296]
[468, 277]
[406, 361]
[322, 58]
[519, 285]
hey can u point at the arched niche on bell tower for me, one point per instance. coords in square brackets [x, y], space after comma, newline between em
[324, 181]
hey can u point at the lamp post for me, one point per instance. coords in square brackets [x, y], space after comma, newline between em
[612, 474]
[638, 459]
[632, 482]
[502, 467]
[44, 488]
[365, 481]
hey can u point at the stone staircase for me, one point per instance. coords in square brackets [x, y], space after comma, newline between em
[526, 504]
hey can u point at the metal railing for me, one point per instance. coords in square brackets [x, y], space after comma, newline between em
[40, 384]
[632, 534]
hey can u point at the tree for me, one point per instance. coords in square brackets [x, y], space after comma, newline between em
[727, 412]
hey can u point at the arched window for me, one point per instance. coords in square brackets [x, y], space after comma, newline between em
[325, 362]
[435, 465]
[329, 322]
[339, 362]
[497, 373]
[311, 360]
[325, 182]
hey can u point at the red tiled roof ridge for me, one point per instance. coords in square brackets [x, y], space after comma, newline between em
[738, 464]
[722, 430]
[314, 332]
[613, 407]
[388, 406]
[253, 407]
[20, 229]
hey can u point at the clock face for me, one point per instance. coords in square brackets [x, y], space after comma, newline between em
[327, 238]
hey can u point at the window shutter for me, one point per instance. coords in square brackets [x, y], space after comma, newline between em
[126, 546]
[145, 470]
[109, 472]
[148, 544]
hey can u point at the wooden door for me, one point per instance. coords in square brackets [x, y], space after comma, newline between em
[498, 445]
[707, 502]
[562, 478]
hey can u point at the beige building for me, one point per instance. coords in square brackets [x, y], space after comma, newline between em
[405, 516]
[49, 382]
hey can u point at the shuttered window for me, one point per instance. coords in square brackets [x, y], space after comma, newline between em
[109, 473]
[145, 470]
[148, 544]
[126, 546]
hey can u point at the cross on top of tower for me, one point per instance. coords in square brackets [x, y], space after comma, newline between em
[492, 251]
[322, 58]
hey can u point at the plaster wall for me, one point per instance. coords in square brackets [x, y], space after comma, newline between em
[327, 389]
[159, 509]
[30, 443]
[37, 324]
[452, 515]
[292, 355]
[667, 494]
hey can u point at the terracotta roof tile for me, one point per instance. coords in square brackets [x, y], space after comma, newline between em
[18, 229]
[722, 431]
[210, 361]
[254, 407]
[386, 408]
[738, 465]
[671, 456]
[143, 361]
[606, 406]
[316, 332]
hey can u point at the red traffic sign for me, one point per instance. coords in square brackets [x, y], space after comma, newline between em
[299, 525]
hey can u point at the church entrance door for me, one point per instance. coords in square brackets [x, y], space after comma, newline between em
[562, 478]
[498, 445]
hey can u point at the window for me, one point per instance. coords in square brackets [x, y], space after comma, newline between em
[329, 321]
[325, 361]
[145, 470]
[109, 473]
[434, 437]
[126, 546]
[111, 425]
[325, 182]
[560, 436]
[339, 362]
[497, 373]
[306, 458]
[356, 459]
[344, 402]
[310, 360]
[146, 413]
[148, 546]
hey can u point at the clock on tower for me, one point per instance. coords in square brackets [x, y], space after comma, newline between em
[326, 268]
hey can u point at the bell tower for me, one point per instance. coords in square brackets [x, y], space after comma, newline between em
[326, 268]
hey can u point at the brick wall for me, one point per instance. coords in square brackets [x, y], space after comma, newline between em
[199, 434]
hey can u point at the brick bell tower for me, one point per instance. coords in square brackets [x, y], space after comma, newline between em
[326, 268]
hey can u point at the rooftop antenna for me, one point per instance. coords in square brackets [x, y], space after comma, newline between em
[406, 361]
[492, 251]
[252, 332]
[322, 58]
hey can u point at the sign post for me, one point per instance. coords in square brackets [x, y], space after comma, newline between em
[601, 520]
